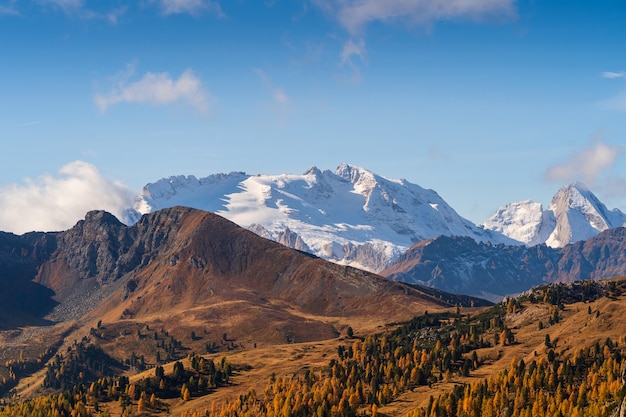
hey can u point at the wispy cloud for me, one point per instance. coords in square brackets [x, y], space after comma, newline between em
[613, 75]
[156, 89]
[79, 9]
[585, 165]
[50, 203]
[617, 102]
[355, 15]
[38, 122]
[279, 97]
[9, 8]
[192, 7]
[351, 51]
[99, 10]
[68, 6]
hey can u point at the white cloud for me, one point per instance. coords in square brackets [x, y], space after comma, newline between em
[585, 165]
[351, 50]
[355, 15]
[613, 75]
[192, 7]
[50, 203]
[156, 89]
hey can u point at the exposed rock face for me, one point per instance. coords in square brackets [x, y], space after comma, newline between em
[602, 256]
[461, 265]
[178, 258]
[98, 247]
[366, 254]
[292, 240]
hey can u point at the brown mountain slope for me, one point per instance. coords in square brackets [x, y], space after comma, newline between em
[181, 257]
[581, 325]
[190, 275]
[204, 272]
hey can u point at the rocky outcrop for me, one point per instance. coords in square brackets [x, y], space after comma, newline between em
[292, 240]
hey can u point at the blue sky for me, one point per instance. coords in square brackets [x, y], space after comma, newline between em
[486, 102]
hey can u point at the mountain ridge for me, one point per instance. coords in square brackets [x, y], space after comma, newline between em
[574, 214]
[461, 265]
[169, 251]
[355, 217]
[351, 216]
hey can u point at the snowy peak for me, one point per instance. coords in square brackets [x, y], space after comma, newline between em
[574, 214]
[350, 215]
[579, 215]
[313, 171]
[185, 191]
[524, 221]
[578, 198]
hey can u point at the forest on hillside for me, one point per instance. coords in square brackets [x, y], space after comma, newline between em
[371, 371]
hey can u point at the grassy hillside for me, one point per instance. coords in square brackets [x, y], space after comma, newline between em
[558, 350]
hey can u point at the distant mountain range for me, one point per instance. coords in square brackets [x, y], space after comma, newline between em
[464, 266]
[574, 214]
[350, 216]
[355, 217]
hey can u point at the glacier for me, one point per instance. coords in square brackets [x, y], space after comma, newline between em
[350, 216]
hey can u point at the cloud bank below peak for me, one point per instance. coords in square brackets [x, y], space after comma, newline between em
[52, 203]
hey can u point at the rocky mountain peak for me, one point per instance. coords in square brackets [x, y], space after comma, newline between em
[574, 214]
[355, 175]
[578, 214]
[315, 171]
[100, 218]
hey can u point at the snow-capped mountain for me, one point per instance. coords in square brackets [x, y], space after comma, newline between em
[350, 216]
[574, 214]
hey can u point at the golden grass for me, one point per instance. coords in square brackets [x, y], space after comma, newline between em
[576, 329]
